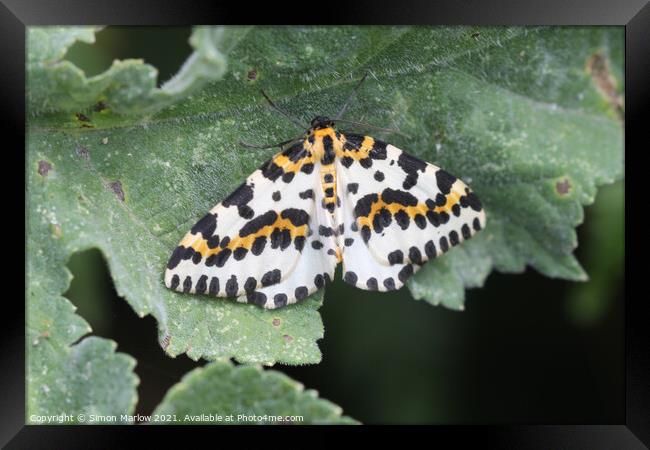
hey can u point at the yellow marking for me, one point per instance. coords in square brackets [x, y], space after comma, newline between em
[452, 199]
[361, 153]
[290, 166]
[200, 244]
[412, 211]
[339, 257]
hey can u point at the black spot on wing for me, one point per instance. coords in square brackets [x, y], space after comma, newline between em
[415, 256]
[232, 286]
[444, 245]
[256, 297]
[250, 284]
[353, 188]
[214, 286]
[271, 277]
[280, 300]
[371, 284]
[402, 219]
[410, 181]
[319, 281]
[476, 224]
[175, 281]
[365, 233]
[240, 196]
[420, 221]
[467, 233]
[301, 293]
[297, 217]
[176, 257]
[258, 245]
[196, 258]
[213, 241]
[430, 249]
[201, 285]
[259, 222]
[224, 242]
[325, 231]
[353, 141]
[206, 225]
[350, 278]
[366, 163]
[239, 253]
[471, 200]
[396, 257]
[309, 193]
[411, 164]
[221, 257]
[400, 197]
[378, 150]
[389, 284]
[271, 170]
[299, 243]
[295, 152]
[405, 273]
[285, 240]
[444, 180]
[363, 206]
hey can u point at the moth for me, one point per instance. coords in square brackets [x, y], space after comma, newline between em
[326, 198]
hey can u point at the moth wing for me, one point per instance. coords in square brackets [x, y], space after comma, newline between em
[256, 244]
[398, 212]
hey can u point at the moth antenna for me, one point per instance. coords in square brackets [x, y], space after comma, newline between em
[352, 94]
[283, 112]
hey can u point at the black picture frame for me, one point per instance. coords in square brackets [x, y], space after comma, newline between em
[633, 431]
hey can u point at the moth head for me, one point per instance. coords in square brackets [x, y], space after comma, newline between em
[320, 122]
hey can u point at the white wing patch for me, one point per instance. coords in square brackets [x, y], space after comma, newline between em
[398, 213]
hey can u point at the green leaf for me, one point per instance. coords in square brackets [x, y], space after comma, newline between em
[128, 86]
[529, 117]
[85, 378]
[228, 393]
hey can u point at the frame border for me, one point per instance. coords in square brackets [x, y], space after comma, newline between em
[15, 15]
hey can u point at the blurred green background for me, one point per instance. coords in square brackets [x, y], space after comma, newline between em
[527, 349]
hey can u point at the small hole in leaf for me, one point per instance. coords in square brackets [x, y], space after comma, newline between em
[44, 167]
[165, 48]
[116, 186]
[563, 187]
